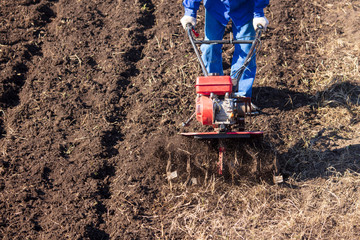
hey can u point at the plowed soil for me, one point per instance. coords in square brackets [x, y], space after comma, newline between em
[93, 94]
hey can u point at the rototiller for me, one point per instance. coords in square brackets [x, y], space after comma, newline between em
[216, 105]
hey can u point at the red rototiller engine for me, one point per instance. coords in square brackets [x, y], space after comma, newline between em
[216, 105]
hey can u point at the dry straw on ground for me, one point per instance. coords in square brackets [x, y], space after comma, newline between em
[322, 207]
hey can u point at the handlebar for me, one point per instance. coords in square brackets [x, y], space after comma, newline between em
[190, 31]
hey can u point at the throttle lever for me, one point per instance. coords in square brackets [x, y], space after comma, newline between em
[194, 32]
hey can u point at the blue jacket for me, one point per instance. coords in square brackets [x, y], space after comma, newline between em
[240, 11]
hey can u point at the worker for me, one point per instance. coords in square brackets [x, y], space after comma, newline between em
[246, 15]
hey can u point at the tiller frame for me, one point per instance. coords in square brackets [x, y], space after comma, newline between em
[216, 105]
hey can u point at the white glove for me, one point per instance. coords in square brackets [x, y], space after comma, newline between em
[260, 20]
[188, 19]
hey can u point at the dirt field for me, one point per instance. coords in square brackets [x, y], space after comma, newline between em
[92, 97]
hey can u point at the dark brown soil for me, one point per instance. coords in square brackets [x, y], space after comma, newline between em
[92, 97]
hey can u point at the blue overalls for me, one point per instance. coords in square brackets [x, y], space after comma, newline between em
[217, 15]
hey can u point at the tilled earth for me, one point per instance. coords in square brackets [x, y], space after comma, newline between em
[92, 97]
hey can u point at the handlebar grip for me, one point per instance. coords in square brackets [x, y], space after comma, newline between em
[189, 25]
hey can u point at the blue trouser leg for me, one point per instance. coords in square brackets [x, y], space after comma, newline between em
[245, 32]
[212, 53]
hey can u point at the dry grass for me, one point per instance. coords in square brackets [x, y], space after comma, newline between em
[339, 47]
[315, 209]
[337, 77]
[321, 207]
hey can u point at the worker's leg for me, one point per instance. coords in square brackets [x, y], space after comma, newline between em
[211, 53]
[246, 32]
